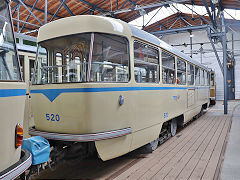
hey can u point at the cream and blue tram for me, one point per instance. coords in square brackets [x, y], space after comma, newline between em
[13, 160]
[102, 83]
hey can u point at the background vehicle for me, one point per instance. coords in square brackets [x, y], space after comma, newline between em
[212, 88]
[101, 83]
[14, 161]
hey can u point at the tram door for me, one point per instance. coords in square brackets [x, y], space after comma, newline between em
[212, 86]
[190, 97]
[230, 81]
[191, 91]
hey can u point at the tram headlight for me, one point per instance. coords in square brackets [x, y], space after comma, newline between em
[18, 136]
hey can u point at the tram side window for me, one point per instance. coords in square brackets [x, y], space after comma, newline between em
[206, 78]
[181, 72]
[42, 69]
[110, 59]
[168, 68]
[197, 76]
[212, 83]
[146, 63]
[9, 67]
[190, 71]
[202, 78]
[58, 74]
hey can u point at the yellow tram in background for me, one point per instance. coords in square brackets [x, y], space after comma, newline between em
[13, 160]
[100, 83]
[212, 88]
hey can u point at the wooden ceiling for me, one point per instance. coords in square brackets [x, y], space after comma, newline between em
[57, 9]
[177, 20]
[230, 4]
[75, 7]
[180, 20]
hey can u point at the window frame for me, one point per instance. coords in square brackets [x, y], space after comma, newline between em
[175, 66]
[183, 60]
[195, 75]
[129, 59]
[193, 65]
[202, 80]
[15, 48]
[159, 61]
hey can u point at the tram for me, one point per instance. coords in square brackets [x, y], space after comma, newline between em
[102, 83]
[14, 161]
[212, 88]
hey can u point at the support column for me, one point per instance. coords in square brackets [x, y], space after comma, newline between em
[45, 11]
[191, 43]
[26, 120]
[18, 18]
[224, 44]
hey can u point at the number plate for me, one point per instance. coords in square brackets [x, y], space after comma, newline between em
[52, 117]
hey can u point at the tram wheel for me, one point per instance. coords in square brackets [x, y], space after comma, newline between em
[154, 144]
[150, 147]
[173, 127]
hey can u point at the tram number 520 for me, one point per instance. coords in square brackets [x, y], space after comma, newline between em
[52, 117]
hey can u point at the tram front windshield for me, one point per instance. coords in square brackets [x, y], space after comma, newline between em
[9, 67]
[86, 57]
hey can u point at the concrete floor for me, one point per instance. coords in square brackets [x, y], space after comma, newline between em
[231, 163]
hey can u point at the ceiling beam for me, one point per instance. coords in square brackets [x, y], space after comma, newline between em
[208, 22]
[30, 12]
[67, 8]
[29, 6]
[55, 14]
[26, 23]
[179, 30]
[208, 11]
[28, 16]
[153, 16]
[148, 6]
[93, 6]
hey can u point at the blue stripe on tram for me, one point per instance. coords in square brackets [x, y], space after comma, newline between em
[52, 94]
[12, 92]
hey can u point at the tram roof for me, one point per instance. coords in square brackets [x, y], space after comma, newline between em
[74, 25]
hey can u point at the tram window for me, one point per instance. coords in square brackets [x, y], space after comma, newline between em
[9, 67]
[190, 71]
[146, 63]
[202, 78]
[181, 72]
[41, 74]
[197, 76]
[31, 68]
[59, 68]
[110, 59]
[212, 79]
[206, 78]
[86, 57]
[168, 68]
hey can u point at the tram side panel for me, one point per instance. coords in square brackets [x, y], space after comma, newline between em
[152, 109]
[12, 112]
[86, 113]
[81, 112]
[91, 112]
